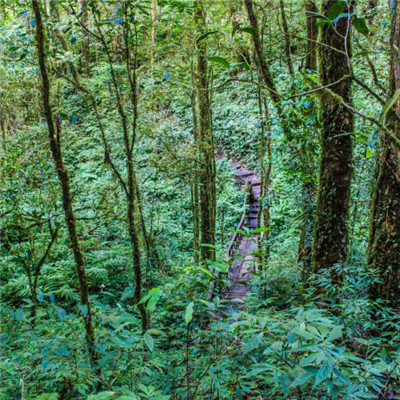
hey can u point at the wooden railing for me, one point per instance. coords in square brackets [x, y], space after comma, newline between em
[236, 238]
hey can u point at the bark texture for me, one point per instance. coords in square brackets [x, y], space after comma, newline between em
[312, 35]
[206, 143]
[384, 244]
[54, 131]
[330, 238]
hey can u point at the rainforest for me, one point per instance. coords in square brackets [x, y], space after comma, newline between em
[199, 199]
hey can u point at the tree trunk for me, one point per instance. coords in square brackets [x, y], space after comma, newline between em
[85, 59]
[206, 144]
[195, 177]
[288, 46]
[312, 35]
[384, 243]
[330, 239]
[261, 59]
[63, 177]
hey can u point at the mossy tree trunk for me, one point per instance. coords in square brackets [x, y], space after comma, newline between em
[330, 238]
[206, 142]
[384, 244]
[54, 134]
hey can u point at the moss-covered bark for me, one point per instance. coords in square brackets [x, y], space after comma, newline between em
[206, 143]
[384, 245]
[330, 238]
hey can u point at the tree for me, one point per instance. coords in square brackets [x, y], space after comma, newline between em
[206, 141]
[330, 238]
[54, 134]
[384, 241]
[312, 34]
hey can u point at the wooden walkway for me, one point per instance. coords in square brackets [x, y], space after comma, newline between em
[242, 247]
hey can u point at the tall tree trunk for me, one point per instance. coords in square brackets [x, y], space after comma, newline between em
[330, 239]
[195, 175]
[384, 243]
[206, 143]
[54, 131]
[288, 50]
[260, 55]
[312, 35]
[85, 59]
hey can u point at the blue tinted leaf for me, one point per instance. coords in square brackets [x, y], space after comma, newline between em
[32, 22]
[40, 295]
[52, 299]
[167, 77]
[73, 40]
[84, 308]
[74, 119]
[118, 20]
[61, 313]
[19, 314]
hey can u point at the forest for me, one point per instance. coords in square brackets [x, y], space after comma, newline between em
[199, 199]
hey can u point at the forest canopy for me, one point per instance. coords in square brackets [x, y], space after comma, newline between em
[199, 199]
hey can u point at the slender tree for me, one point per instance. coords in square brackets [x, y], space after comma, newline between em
[54, 134]
[288, 47]
[312, 34]
[384, 242]
[330, 238]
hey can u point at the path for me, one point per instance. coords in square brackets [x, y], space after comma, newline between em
[241, 249]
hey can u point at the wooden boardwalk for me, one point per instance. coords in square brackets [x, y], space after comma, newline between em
[242, 247]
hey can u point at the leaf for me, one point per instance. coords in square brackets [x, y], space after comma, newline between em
[253, 343]
[207, 272]
[220, 60]
[360, 24]
[148, 339]
[249, 29]
[323, 373]
[84, 308]
[336, 9]
[336, 333]
[61, 313]
[102, 396]
[219, 265]
[389, 105]
[301, 379]
[19, 314]
[40, 296]
[152, 298]
[205, 35]
[189, 313]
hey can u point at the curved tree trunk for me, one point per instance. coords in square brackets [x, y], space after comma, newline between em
[54, 131]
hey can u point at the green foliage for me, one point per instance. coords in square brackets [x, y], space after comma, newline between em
[294, 338]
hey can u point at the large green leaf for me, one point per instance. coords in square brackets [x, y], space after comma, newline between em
[189, 313]
[205, 35]
[336, 9]
[220, 60]
[360, 24]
